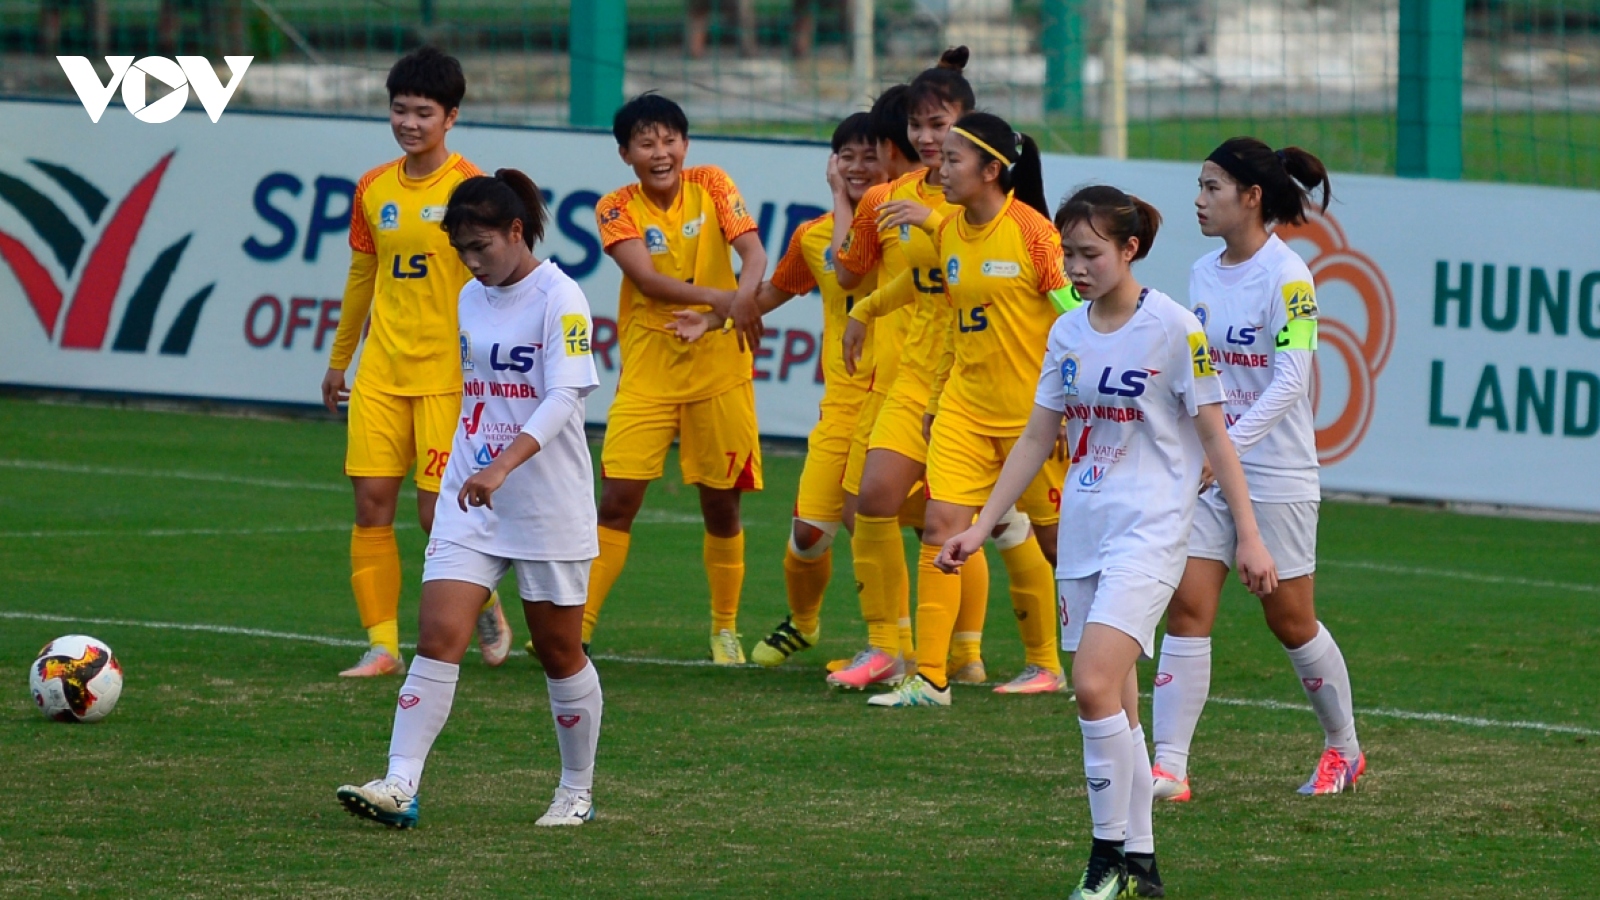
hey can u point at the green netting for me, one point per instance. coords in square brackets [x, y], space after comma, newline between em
[1322, 73]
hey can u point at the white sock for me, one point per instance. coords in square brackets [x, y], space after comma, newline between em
[1322, 673]
[1183, 681]
[576, 704]
[419, 716]
[1141, 828]
[1108, 765]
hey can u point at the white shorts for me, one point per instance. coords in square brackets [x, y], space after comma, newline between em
[1288, 529]
[559, 582]
[1131, 602]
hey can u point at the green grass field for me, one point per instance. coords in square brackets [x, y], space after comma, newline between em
[211, 552]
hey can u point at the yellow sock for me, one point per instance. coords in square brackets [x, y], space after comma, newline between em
[1033, 598]
[966, 644]
[724, 559]
[807, 581]
[938, 599]
[375, 579]
[603, 574]
[881, 578]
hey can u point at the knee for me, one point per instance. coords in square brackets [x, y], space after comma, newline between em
[809, 540]
[560, 659]
[878, 502]
[374, 508]
[1099, 695]
[721, 512]
[1292, 627]
[618, 506]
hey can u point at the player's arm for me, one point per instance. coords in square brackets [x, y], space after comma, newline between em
[843, 211]
[941, 372]
[1022, 466]
[692, 324]
[359, 286]
[886, 299]
[634, 260]
[1295, 343]
[752, 269]
[855, 249]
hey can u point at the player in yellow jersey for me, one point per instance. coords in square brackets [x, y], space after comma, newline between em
[671, 235]
[402, 289]
[819, 510]
[1005, 283]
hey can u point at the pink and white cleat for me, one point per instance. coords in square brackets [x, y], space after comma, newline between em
[1034, 680]
[871, 666]
[1168, 786]
[376, 663]
[1335, 773]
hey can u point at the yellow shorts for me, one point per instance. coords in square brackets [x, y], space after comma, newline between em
[821, 496]
[718, 445]
[963, 466]
[389, 432]
[899, 428]
[858, 442]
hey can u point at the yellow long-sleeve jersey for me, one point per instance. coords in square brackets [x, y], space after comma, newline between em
[807, 265]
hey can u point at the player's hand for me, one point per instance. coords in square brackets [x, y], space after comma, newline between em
[836, 182]
[481, 487]
[927, 426]
[690, 324]
[746, 316]
[902, 212]
[956, 550]
[333, 390]
[1207, 477]
[855, 342]
[1256, 568]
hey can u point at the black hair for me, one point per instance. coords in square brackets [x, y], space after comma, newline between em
[889, 120]
[1286, 177]
[646, 111]
[495, 201]
[1021, 170]
[855, 129]
[428, 72]
[1112, 214]
[943, 84]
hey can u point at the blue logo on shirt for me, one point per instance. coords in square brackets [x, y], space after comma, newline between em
[389, 216]
[952, 271]
[1069, 374]
[655, 241]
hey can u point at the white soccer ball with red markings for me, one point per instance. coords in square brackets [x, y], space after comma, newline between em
[76, 679]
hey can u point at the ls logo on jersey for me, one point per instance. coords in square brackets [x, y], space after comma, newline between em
[1069, 374]
[575, 334]
[655, 241]
[952, 271]
[974, 319]
[389, 217]
[1130, 384]
[1244, 336]
[1200, 354]
[416, 266]
[517, 359]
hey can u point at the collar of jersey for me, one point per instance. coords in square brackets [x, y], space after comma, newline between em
[428, 180]
[970, 232]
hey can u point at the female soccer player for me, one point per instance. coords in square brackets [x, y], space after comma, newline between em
[1131, 372]
[1258, 304]
[1000, 259]
[519, 497]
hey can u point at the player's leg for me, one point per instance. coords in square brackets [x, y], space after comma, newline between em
[720, 452]
[938, 600]
[553, 595]
[380, 448]
[1100, 667]
[455, 582]
[1183, 673]
[882, 577]
[966, 639]
[1033, 587]
[1144, 878]
[639, 434]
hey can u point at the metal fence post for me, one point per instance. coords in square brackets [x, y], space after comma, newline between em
[1428, 106]
[1062, 37]
[598, 48]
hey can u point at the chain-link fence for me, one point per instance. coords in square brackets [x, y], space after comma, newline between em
[1322, 73]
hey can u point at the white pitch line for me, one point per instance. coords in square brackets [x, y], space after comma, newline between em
[1481, 578]
[181, 475]
[1275, 705]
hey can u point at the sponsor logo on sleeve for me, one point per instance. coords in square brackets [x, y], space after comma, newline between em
[1200, 355]
[575, 334]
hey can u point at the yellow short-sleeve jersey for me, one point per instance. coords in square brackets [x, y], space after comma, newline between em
[998, 280]
[691, 241]
[807, 265]
[412, 346]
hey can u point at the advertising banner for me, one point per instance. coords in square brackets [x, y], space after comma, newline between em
[1460, 331]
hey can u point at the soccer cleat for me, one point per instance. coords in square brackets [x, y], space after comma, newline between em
[871, 666]
[725, 649]
[376, 662]
[1105, 877]
[784, 642]
[1335, 773]
[1168, 786]
[1034, 680]
[570, 807]
[381, 801]
[1144, 879]
[970, 673]
[494, 633]
[914, 690]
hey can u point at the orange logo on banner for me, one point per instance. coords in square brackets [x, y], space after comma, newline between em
[1363, 355]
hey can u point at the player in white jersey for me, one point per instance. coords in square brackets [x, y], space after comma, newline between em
[518, 492]
[1257, 301]
[1132, 375]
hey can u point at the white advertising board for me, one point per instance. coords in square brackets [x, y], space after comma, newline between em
[1460, 339]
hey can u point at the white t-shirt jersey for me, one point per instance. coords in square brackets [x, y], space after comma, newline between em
[1129, 398]
[518, 343]
[1246, 310]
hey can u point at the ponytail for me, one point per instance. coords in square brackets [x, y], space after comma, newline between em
[1113, 215]
[1286, 177]
[495, 202]
[1021, 169]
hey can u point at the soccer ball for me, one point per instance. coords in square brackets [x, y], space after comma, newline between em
[76, 679]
